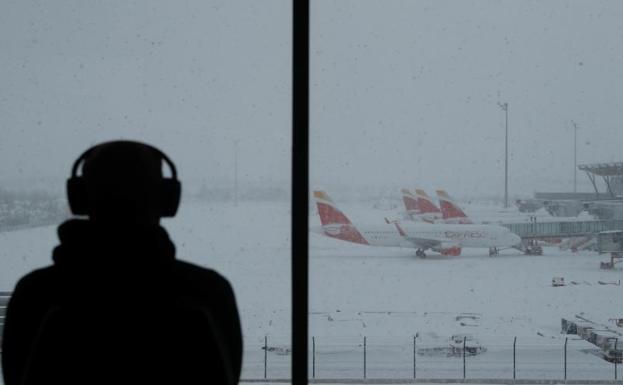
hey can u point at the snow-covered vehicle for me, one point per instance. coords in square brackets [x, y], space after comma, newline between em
[458, 345]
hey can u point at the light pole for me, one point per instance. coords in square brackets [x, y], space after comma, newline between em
[236, 172]
[504, 107]
[575, 157]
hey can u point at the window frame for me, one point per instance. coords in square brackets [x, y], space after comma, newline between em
[300, 190]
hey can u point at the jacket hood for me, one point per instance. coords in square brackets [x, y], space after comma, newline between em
[83, 242]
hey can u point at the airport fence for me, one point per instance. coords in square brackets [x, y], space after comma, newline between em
[458, 358]
[4, 301]
[461, 357]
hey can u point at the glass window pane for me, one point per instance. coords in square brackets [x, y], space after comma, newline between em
[209, 83]
[432, 124]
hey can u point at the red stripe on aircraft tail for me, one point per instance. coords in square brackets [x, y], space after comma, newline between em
[410, 203]
[329, 215]
[449, 210]
[347, 233]
[426, 206]
[335, 223]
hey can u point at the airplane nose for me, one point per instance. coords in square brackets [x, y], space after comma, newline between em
[515, 239]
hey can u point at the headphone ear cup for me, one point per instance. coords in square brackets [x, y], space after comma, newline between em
[170, 193]
[77, 195]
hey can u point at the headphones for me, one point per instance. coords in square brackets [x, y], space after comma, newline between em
[170, 188]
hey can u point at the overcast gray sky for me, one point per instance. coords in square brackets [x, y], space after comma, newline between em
[403, 92]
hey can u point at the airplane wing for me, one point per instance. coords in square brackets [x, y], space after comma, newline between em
[424, 243]
[445, 248]
[420, 243]
[439, 245]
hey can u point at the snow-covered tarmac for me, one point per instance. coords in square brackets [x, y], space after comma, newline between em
[385, 294]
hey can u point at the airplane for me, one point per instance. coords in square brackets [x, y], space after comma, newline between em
[420, 207]
[442, 238]
[452, 213]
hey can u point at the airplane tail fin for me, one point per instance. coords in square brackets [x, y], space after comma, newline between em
[409, 200]
[329, 213]
[424, 202]
[450, 210]
[334, 222]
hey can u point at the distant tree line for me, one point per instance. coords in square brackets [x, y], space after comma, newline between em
[23, 209]
[246, 193]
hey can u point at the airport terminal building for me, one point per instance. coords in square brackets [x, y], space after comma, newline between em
[606, 202]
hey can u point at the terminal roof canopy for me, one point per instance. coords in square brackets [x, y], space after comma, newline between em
[603, 169]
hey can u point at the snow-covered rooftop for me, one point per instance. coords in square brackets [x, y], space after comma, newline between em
[603, 169]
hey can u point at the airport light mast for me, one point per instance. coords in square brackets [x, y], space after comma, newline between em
[236, 172]
[575, 157]
[504, 107]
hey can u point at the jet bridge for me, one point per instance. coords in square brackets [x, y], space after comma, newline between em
[553, 230]
[610, 242]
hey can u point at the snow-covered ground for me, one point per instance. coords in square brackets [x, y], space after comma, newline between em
[385, 294]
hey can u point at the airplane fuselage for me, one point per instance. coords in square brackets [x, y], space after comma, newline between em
[447, 235]
[463, 235]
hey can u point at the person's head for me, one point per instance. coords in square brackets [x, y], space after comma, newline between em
[122, 181]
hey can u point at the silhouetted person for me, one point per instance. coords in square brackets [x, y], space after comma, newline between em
[116, 306]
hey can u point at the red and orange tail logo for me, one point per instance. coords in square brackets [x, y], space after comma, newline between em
[409, 200]
[424, 203]
[329, 214]
[449, 209]
[334, 223]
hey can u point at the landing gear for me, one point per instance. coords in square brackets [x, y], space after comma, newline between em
[420, 253]
[494, 252]
[533, 248]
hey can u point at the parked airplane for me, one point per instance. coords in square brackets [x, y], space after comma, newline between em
[452, 213]
[442, 238]
[420, 207]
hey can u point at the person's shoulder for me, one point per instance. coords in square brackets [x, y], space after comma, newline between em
[191, 268]
[36, 284]
[196, 272]
[37, 276]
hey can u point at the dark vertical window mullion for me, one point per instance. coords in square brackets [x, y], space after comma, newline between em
[300, 188]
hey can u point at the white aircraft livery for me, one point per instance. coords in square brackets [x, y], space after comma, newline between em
[447, 239]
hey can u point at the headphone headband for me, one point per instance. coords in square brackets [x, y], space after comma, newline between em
[85, 155]
[169, 189]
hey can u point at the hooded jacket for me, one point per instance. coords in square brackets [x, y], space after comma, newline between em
[121, 290]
